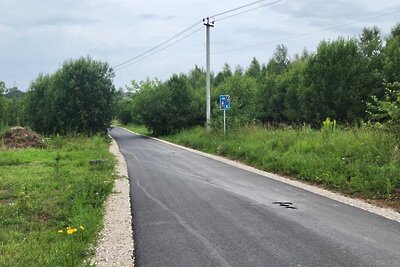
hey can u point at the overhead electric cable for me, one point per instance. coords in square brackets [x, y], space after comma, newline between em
[241, 7]
[304, 34]
[248, 10]
[159, 50]
[143, 56]
[159, 45]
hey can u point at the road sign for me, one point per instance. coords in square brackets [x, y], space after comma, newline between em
[224, 102]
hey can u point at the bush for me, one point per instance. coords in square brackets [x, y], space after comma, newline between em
[77, 98]
[387, 111]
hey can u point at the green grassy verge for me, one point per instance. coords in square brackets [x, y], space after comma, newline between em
[45, 191]
[360, 162]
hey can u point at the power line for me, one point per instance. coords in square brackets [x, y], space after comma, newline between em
[304, 34]
[143, 56]
[244, 6]
[138, 58]
[289, 37]
[248, 10]
[159, 45]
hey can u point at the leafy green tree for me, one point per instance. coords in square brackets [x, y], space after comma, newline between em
[280, 61]
[168, 107]
[15, 114]
[79, 98]
[387, 111]
[333, 83]
[225, 73]
[266, 90]
[124, 109]
[197, 78]
[3, 104]
[39, 110]
[391, 61]
[371, 47]
[242, 91]
[294, 80]
[254, 70]
[238, 70]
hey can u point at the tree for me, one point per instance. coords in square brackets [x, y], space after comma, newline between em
[333, 82]
[387, 110]
[370, 47]
[225, 73]
[168, 107]
[391, 55]
[294, 80]
[40, 113]
[78, 97]
[254, 69]
[3, 104]
[242, 91]
[15, 106]
[197, 78]
[280, 60]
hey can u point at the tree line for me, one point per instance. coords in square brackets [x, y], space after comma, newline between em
[346, 79]
[77, 98]
[351, 80]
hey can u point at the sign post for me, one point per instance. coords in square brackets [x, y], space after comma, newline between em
[224, 104]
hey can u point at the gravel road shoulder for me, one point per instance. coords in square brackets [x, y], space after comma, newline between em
[116, 244]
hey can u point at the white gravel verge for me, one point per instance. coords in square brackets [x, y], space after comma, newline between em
[358, 203]
[116, 244]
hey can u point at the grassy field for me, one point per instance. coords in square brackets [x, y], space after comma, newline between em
[51, 201]
[361, 162]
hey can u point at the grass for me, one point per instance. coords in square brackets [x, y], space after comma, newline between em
[44, 191]
[360, 162]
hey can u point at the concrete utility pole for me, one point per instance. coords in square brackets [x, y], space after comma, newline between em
[208, 22]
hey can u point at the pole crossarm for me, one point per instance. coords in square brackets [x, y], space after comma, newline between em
[209, 22]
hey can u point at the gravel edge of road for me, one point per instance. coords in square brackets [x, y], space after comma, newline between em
[358, 203]
[116, 244]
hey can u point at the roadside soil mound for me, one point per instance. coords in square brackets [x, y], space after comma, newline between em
[19, 137]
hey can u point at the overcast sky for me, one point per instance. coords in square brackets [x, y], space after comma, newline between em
[37, 36]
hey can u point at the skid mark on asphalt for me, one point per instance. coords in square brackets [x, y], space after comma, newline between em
[210, 248]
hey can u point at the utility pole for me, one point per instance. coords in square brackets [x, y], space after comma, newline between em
[208, 22]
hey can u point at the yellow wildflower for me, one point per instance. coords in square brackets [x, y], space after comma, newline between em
[71, 230]
[82, 228]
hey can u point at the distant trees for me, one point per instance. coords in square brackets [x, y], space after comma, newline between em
[336, 81]
[3, 117]
[77, 98]
[167, 107]
[12, 106]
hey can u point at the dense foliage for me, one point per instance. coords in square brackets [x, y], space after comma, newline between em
[77, 98]
[337, 81]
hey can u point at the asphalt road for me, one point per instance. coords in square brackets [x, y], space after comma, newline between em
[190, 210]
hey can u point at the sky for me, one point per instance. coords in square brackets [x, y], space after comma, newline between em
[37, 36]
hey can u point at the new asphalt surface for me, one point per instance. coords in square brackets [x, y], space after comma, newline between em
[190, 210]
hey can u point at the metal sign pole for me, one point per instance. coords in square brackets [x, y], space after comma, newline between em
[224, 122]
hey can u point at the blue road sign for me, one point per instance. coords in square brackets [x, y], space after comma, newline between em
[224, 102]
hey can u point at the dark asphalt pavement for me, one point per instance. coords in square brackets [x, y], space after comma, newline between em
[189, 210]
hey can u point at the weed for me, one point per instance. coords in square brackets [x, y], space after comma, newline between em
[34, 205]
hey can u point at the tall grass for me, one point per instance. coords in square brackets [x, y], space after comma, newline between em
[45, 191]
[359, 161]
